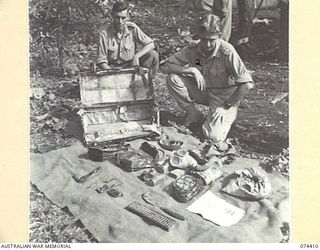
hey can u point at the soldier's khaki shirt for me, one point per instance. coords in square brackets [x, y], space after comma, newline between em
[222, 71]
[115, 50]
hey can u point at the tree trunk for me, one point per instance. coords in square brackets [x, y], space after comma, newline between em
[61, 62]
[284, 31]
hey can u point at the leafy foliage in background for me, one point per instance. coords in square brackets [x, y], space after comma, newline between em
[63, 34]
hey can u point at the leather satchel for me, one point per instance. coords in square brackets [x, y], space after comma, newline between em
[133, 161]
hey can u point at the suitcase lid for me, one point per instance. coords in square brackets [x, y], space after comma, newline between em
[115, 86]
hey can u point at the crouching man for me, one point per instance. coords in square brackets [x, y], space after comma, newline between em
[117, 43]
[209, 72]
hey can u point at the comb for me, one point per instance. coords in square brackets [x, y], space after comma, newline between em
[153, 216]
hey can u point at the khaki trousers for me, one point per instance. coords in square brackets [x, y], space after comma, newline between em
[185, 92]
[151, 61]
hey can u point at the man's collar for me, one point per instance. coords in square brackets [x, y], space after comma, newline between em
[216, 52]
[125, 30]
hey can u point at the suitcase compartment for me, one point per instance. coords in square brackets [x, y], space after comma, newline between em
[116, 122]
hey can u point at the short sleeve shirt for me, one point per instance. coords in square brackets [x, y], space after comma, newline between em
[222, 71]
[115, 50]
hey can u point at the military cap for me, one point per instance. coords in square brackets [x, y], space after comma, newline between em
[208, 25]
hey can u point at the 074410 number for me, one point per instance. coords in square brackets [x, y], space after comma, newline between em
[309, 246]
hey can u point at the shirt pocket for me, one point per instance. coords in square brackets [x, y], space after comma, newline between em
[213, 72]
[112, 45]
[128, 44]
[217, 68]
[218, 75]
[112, 49]
[127, 49]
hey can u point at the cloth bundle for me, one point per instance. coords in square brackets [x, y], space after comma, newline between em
[247, 183]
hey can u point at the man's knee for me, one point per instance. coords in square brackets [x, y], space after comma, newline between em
[151, 61]
[174, 80]
[154, 55]
[215, 133]
[219, 130]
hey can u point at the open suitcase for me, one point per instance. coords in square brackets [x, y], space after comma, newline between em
[117, 106]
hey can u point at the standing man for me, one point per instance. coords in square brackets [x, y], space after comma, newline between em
[246, 8]
[221, 8]
[117, 43]
[210, 73]
[284, 29]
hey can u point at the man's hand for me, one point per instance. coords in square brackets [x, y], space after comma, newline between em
[217, 116]
[135, 60]
[104, 66]
[199, 79]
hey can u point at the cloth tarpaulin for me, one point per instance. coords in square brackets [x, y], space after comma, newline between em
[108, 220]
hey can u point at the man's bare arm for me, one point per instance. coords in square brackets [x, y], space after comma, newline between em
[240, 93]
[142, 52]
[171, 68]
[236, 97]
